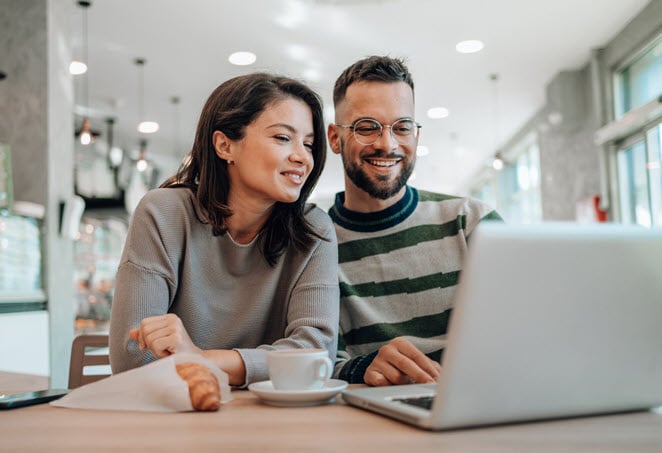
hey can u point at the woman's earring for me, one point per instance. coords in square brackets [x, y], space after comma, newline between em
[230, 162]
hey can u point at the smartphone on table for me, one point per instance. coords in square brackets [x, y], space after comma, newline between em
[14, 400]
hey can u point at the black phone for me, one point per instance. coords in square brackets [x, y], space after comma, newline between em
[13, 400]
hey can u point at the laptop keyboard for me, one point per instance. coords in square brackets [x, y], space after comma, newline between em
[424, 402]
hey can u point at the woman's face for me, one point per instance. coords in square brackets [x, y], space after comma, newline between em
[274, 159]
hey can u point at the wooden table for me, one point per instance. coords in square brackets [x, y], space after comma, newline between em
[247, 425]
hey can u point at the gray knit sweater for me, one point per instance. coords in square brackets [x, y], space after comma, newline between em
[226, 294]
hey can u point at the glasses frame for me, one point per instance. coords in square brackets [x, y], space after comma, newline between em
[398, 138]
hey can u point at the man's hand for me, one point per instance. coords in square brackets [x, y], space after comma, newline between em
[400, 362]
[163, 335]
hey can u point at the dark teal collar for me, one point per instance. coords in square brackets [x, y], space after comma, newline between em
[374, 221]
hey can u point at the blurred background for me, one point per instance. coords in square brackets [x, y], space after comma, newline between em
[548, 110]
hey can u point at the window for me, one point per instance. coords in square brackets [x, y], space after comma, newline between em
[640, 81]
[639, 180]
[515, 190]
[638, 157]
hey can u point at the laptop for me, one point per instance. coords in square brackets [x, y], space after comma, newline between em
[550, 321]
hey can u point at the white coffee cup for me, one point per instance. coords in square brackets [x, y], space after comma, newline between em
[299, 369]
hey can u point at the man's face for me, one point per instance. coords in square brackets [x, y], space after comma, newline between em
[382, 168]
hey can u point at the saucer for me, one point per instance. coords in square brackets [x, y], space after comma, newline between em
[292, 398]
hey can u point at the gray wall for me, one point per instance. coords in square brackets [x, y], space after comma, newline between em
[36, 121]
[569, 162]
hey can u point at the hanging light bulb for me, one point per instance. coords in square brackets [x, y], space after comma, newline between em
[114, 154]
[144, 127]
[77, 67]
[174, 100]
[141, 163]
[85, 133]
[497, 163]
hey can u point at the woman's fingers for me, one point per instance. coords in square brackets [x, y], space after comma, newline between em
[163, 335]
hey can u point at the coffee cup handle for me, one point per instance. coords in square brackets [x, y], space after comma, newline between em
[324, 368]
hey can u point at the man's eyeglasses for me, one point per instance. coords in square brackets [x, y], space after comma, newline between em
[367, 131]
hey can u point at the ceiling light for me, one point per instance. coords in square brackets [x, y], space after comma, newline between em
[141, 163]
[144, 127]
[297, 52]
[85, 135]
[469, 46]
[175, 100]
[77, 68]
[242, 58]
[80, 67]
[438, 112]
[148, 127]
[497, 163]
[294, 15]
[311, 75]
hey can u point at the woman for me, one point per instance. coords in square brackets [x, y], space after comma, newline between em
[226, 259]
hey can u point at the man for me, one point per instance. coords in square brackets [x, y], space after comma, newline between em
[400, 249]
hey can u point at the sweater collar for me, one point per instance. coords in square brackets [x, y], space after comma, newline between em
[374, 221]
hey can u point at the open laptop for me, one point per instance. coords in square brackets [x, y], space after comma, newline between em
[550, 321]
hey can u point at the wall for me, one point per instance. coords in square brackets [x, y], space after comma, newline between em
[569, 160]
[36, 121]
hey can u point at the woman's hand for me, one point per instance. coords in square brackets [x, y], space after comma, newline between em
[163, 335]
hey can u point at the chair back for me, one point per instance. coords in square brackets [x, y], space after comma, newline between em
[88, 350]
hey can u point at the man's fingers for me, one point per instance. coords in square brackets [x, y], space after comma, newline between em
[412, 370]
[423, 369]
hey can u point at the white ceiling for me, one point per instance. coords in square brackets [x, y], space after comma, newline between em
[186, 45]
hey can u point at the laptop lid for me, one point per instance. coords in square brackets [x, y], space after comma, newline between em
[552, 320]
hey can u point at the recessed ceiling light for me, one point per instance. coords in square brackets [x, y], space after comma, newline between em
[297, 52]
[77, 68]
[311, 75]
[242, 58]
[470, 46]
[148, 127]
[422, 150]
[438, 112]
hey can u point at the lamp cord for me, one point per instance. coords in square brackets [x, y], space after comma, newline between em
[140, 62]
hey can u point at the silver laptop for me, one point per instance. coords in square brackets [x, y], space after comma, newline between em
[550, 321]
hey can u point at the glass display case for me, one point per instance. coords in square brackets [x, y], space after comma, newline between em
[97, 250]
[20, 263]
[6, 186]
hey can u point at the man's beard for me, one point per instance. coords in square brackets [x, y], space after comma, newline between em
[383, 190]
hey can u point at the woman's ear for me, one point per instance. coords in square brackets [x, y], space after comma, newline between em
[222, 145]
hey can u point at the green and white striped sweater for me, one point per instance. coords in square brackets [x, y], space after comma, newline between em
[399, 270]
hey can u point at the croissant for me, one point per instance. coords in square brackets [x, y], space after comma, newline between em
[203, 387]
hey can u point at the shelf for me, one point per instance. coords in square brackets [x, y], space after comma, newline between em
[22, 297]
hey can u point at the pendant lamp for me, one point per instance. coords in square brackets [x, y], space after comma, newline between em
[144, 126]
[497, 161]
[84, 134]
[141, 163]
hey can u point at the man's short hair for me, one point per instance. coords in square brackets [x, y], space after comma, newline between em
[374, 68]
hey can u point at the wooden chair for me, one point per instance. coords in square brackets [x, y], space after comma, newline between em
[88, 350]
